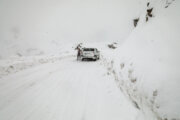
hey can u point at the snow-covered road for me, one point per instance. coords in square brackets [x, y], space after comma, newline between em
[63, 90]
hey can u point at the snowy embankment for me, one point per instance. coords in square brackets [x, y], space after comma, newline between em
[16, 64]
[146, 67]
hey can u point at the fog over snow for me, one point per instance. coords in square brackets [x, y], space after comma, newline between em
[36, 22]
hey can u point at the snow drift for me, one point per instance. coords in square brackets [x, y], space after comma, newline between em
[146, 67]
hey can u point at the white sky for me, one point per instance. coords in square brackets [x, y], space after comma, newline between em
[66, 20]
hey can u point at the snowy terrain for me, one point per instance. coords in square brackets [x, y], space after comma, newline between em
[137, 77]
[146, 67]
[60, 91]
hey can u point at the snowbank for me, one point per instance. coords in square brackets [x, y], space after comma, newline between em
[146, 67]
[16, 64]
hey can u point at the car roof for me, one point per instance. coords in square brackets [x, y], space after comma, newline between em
[88, 48]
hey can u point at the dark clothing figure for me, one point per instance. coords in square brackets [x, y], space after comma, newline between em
[78, 48]
[79, 51]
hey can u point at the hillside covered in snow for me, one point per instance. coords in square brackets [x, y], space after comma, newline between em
[146, 66]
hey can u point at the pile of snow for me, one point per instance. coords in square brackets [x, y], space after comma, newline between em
[16, 64]
[146, 67]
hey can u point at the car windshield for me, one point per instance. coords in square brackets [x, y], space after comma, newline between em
[88, 49]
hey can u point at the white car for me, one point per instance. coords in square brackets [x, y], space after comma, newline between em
[89, 53]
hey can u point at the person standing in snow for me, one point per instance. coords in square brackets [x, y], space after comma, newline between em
[79, 51]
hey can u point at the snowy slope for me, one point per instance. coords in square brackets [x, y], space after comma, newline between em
[147, 65]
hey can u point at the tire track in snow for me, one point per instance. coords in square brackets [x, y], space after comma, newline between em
[63, 91]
